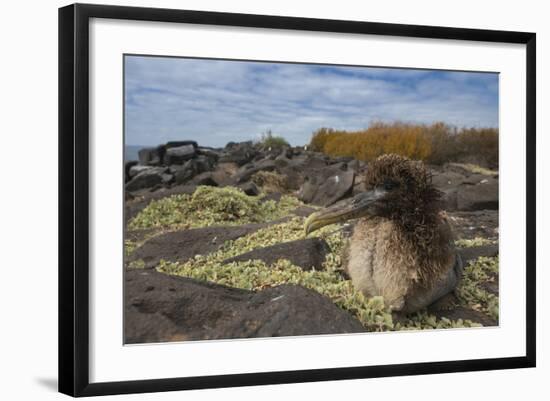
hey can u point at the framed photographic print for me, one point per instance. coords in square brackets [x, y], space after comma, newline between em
[251, 199]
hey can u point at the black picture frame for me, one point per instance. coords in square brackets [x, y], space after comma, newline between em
[74, 198]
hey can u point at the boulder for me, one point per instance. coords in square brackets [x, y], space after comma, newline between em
[246, 172]
[159, 307]
[474, 179]
[179, 246]
[140, 327]
[325, 192]
[151, 156]
[146, 179]
[204, 179]
[303, 211]
[355, 165]
[223, 172]
[447, 180]
[191, 168]
[295, 151]
[167, 179]
[449, 199]
[250, 189]
[274, 196]
[127, 166]
[282, 161]
[295, 175]
[459, 312]
[137, 169]
[341, 159]
[472, 253]
[480, 223]
[203, 163]
[240, 153]
[179, 155]
[312, 161]
[177, 144]
[212, 154]
[309, 166]
[477, 197]
[232, 145]
[307, 253]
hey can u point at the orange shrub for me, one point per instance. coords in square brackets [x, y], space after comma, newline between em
[320, 138]
[404, 139]
[436, 143]
[479, 144]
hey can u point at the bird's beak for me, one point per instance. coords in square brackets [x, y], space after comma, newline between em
[359, 206]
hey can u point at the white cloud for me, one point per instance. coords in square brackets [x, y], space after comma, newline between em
[215, 101]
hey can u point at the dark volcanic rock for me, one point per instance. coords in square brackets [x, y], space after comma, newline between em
[449, 199]
[305, 166]
[156, 156]
[223, 173]
[460, 312]
[303, 211]
[447, 179]
[211, 155]
[204, 179]
[160, 307]
[356, 165]
[480, 223]
[127, 166]
[250, 189]
[138, 169]
[307, 253]
[146, 179]
[140, 327]
[464, 190]
[474, 252]
[191, 168]
[179, 155]
[474, 179]
[184, 173]
[177, 144]
[274, 196]
[240, 153]
[203, 164]
[183, 245]
[477, 197]
[246, 172]
[151, 156]
[312, 161]
[325, 192]
[282, 161]
[167, 178]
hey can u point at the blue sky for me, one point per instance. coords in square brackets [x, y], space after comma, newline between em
[217, 101]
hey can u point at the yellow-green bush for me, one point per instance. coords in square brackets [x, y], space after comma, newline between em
[268, 140]
[211, 206]
[436, 143]
[270, 181]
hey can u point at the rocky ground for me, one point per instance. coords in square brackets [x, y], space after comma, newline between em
[215, 246]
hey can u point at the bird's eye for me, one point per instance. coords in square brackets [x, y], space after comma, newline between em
[389, 185]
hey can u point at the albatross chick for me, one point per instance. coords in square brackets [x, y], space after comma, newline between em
[402, 246]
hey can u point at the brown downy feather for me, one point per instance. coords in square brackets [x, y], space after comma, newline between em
[423, 232]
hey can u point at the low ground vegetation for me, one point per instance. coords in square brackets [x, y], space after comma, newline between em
[209, 206]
